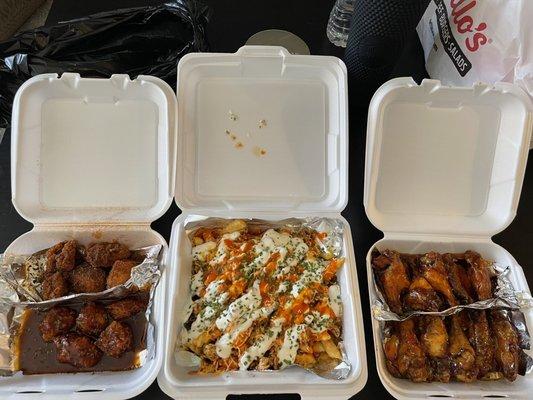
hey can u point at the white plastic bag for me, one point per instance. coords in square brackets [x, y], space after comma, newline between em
[469, 41]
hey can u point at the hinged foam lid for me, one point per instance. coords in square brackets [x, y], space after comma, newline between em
[297, 160]
[93, 150]
[445, 160]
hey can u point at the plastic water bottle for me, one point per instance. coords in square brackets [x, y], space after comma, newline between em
[339, 22]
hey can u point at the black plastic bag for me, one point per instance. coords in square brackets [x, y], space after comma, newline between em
[133, 41]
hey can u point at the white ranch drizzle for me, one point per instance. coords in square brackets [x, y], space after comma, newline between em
[262, 345]
[317, 322]
[313, 270]
[246, 303]
[222, 249]
[283, 287]
[211, 292]
[197, 283]
[201, 251]
[335, 301]
[298, 250]
[289, 348]
[201, 323]
[225, 342]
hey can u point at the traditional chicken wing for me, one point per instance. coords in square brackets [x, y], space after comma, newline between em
[506, 350]
[463, 357]
[481, 340]
[479, 274]
[434, 336]
[440, 369]
[432, 268]
[412, 361]
[458, 279]
[390, 347]
[393, 278]
[422, 297]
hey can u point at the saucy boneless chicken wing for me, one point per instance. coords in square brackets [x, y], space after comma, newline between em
[87, 279]
[57, 321]
[54, 286]
[104, 254]
[116, 339]
[120, 272]
[92, 319]
[122, 309]
[77, 350]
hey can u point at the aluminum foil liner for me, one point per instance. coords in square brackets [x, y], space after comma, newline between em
[332, 243]
[17, 295]
[23, 274]
[505, 296]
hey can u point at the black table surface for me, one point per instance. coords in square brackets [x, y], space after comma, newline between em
[232, 23]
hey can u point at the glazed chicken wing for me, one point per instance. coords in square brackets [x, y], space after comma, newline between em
[77, 350]
[390, 348]
[459, 280]
[412, 361]
[481, 340]
[434, 336]
[432, 268]
[506, 344]
[393, 278]
[463, 361]
[422, 297]
[479, 274]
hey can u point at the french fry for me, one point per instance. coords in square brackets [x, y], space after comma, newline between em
[305, 348]
[318, 347]
[331, 349]
[264, 363]
[234, 226]
[210, 352]
[305, 360]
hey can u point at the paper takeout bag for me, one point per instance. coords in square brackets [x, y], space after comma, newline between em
[469, 41]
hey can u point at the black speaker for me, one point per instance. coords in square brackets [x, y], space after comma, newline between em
[378, 32]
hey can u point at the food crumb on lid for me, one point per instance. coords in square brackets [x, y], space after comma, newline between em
[232, 116]
[262, 123]
[239, 145]
[258, 151]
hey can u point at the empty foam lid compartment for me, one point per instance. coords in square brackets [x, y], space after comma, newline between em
[445, 160]
[93, 150]
[260, 130]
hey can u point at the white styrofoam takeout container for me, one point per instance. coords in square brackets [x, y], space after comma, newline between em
[92, 160]
[444, 171]
[303, 174]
